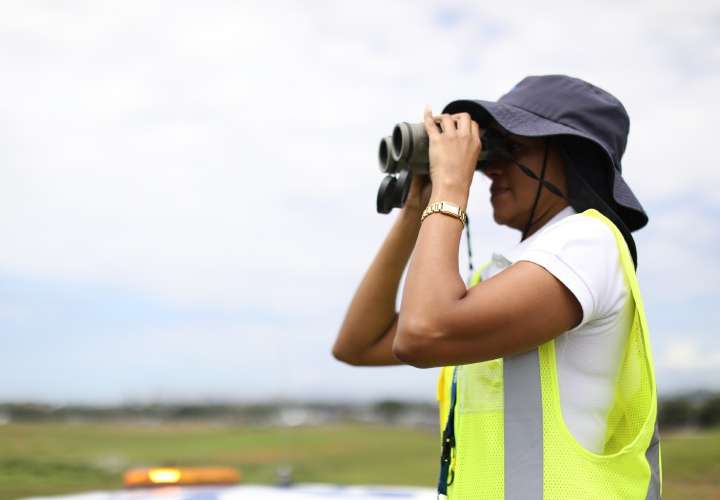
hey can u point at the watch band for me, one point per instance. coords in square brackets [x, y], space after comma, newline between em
[446, 208]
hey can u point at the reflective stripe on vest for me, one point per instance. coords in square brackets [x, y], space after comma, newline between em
[559, 468]
[652, 455]
[523, 426]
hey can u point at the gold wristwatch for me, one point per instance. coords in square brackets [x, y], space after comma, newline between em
[446, 208]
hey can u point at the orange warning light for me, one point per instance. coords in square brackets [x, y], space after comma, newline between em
[162, 476]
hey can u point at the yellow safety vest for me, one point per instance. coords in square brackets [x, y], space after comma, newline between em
[510, 440]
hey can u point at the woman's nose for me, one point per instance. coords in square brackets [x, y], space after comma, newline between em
[494, 169]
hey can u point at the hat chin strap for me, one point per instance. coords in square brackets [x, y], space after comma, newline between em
[597, 203]
[541, 182]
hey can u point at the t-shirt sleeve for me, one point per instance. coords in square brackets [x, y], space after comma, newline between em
[582, 254]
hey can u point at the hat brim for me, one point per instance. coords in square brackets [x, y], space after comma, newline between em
[518, 121]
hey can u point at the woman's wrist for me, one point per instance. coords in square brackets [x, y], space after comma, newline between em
[456, 194]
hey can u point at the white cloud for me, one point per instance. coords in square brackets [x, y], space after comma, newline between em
[224, 153]
[678, 252]
[199, 362]
[688, 355]
[689, 362]
[135, 146]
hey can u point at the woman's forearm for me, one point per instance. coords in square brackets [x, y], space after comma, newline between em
[372, 311]
[433, 284]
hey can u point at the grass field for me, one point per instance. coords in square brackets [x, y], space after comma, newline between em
[55, 458]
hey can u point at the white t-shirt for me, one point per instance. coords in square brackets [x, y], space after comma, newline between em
[582, 253]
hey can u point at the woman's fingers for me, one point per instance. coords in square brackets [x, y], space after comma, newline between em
[453, 150]
[463, 123]
[475, 130]
[448, 124]
[430, 126]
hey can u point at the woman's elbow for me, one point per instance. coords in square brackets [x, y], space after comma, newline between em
[344, 356]
[416, 345]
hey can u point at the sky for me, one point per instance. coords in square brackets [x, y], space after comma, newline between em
[187, 188]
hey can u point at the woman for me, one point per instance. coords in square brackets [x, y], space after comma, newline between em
[547, 389]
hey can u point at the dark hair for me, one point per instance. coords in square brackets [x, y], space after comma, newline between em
[589, 183]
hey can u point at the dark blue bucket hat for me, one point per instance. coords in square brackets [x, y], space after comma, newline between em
[559, 105]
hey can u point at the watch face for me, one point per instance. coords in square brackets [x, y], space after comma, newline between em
[451, 209]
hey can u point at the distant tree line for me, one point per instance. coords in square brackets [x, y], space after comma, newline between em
[234, 413]
[688, 411]
[692, 410]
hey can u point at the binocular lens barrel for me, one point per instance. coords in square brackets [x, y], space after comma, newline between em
[406, 153]
[406, 148]
[410, 143]
[388, 164]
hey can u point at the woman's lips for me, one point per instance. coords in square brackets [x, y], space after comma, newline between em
[497, 191]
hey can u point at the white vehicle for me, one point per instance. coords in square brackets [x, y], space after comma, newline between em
[249, 492]
[221, 484]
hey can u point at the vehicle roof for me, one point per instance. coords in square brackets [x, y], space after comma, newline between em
[257, 492]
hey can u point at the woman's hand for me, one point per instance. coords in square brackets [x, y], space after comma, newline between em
[453, 153]
[419, 194]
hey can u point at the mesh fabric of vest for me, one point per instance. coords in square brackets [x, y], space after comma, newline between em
[570, 471]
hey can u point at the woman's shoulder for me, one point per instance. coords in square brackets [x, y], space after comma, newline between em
[578, 230]
[582, 252]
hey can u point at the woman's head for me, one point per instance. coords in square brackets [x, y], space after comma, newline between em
[560, 106]
[575, 166]
[513, 192]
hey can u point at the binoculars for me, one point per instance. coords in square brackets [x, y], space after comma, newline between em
[405, 153]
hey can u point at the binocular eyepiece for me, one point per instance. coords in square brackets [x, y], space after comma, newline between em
[405, 153]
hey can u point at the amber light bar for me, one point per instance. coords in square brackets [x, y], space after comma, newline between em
[163, 476]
